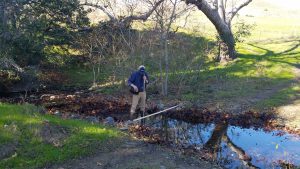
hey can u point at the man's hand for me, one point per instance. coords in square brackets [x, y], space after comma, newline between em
[135, 88]
[145, 79]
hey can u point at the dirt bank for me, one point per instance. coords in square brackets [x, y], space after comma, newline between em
[133, 154]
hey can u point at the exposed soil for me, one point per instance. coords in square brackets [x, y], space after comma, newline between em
[7, 150]
[134, 154]
[290, 112]
[53, 134]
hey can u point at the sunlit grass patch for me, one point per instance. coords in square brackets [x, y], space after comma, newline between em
[258, 69]
[22, 126]
[284, 96]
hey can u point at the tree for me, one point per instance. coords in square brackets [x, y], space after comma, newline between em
[221, 14]
[28, 26]
[128, 10]
[165, 16]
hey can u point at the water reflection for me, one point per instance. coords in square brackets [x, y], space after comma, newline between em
[234, 147]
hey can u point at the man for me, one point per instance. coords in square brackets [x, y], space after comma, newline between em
[137, 82]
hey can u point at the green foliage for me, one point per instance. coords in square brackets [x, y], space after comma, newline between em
[22, 125]
[242, 30]
[32, 25]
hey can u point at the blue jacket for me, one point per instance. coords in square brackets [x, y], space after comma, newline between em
[136, 78]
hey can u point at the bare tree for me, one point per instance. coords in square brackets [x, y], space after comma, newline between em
[165, 16]
[109, 8]
[93, 46]
[221, 14]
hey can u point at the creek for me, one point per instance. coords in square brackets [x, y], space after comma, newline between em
[234, 146]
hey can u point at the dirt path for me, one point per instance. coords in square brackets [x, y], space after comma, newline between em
[134, 154]
[288, 114]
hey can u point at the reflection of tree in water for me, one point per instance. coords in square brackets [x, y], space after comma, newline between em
[219, 134]
[182, 134]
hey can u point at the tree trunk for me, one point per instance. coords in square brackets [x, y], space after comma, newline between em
[220, 24]
[166, 52]
[161, 75]
[227, 45]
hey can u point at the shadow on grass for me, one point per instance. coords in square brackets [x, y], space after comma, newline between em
[252, 79]
[24, 127]
[272, 56]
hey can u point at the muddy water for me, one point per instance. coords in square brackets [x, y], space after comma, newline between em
[235, 147]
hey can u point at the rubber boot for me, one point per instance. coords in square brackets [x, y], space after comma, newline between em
[143, 121]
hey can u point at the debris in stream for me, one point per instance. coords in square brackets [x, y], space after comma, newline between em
[84, 103]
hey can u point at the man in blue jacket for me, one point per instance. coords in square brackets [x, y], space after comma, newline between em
[137, 82]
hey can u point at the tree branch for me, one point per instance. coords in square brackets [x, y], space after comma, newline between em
[237, 9]
[144, 16]
[201, 5]
[102, 8]
[222, 10]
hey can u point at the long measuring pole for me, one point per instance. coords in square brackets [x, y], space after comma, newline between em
[140, 118]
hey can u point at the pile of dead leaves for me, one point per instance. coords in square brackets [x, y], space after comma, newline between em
[146, 133]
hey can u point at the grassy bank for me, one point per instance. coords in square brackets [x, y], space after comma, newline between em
[261, 77]
[31, 140]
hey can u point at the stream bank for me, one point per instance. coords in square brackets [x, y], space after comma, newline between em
[96, 107]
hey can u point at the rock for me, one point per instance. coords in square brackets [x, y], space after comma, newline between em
[161, 106]
[32, 96]
[57, 113]
[75, 116]
[7, 150]
[52, 98]
[79, 92]
[44, 96]
[163, 167]
[92, 119]
[71, 96]
[109, 121]
[53, 134]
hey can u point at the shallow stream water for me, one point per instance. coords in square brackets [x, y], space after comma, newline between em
[236, 147]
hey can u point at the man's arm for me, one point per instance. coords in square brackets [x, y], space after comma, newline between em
[131, 81]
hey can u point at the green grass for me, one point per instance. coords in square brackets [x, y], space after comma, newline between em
[259, 68]
[263, 66]
[21, 125]
[282, 97]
